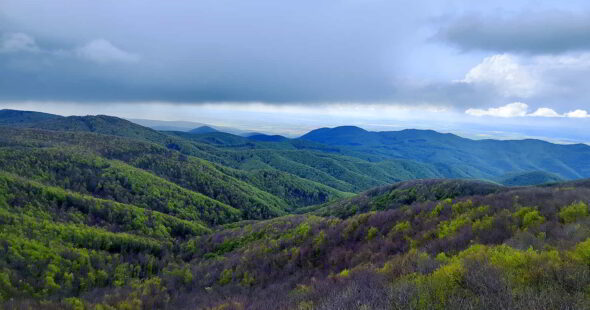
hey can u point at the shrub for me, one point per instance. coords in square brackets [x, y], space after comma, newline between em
[528, 217]
[484, 223]
[344, 273]
[447, 228]
[226, 277]
[372, 233]
[461, 207]
[74, 303]
[440, 206]
[582, 251]
[402, 227]
[573, 212]
[532, 219]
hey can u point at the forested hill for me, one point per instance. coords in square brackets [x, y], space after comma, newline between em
[97, 212]
[529, 178]
[24, 118]
[460, 157]
[488, 247]
[338, 157]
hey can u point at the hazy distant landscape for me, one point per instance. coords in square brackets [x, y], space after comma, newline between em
[100, 212]
[294, 155]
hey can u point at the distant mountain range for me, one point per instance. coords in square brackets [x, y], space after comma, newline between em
[267, 138]
[186, 126]
[460, 157]
[98, 212]
[24, 118]
[400, 155]
[203, 129]
[166, 125]
[529, 178]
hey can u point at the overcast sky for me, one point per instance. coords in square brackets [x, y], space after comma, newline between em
[519, 68]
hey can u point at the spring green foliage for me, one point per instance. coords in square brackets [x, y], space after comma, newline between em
[402, 227]
[447, 228]
[226, 277]
[532, 219]
[406, 193]
[344, 273]
[258, 194]
[372, 233]
[457, 157]
[573, 212]
[529, 217]
[92, 175]
[528, 178]
[440, 207]
[96, 213]
[432, 261]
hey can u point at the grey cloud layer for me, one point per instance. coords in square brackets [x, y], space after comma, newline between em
[261, 50]
[535, 33]
[203, 51]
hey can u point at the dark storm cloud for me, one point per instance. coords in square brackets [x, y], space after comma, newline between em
[533, 33]
[200, 51]
[260, 50]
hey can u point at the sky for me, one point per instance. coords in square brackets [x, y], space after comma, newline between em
[493, 69]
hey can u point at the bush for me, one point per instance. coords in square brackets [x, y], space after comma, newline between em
[226, 277]
[573, 212]
[532, 219]
[372, 233]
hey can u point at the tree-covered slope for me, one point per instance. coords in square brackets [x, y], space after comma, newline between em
[427, 153]
[404, 193]
[514, 248]
[267, 138]
[76, 170]
[203, 129]
[186, 171]
[310, 193]
[101, 124]
[305, 160]
[100, 213]
[528, 178]
[524, 248]
[459, 157]
[55, 243]
[24, 118]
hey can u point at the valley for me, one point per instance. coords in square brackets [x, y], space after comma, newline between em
[97, 212]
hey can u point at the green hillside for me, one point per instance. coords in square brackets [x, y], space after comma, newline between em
[188, 172]
[473, 252]
[528, 178]
[307, 161]
[101, 124]
[404, 193]
[88, 174]
[458, 157]
[470, 252]
[100, 213]
[301, 189]
[24, 118]
[350, 159]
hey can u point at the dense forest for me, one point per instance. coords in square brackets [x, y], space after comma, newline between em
[99, 213]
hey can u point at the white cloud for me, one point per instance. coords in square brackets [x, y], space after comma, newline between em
[103, 51]
[577, 114]
[510, 110]
[519, 109]
[545, 112]
[539, 78]
[506, 74]
[17, 42]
